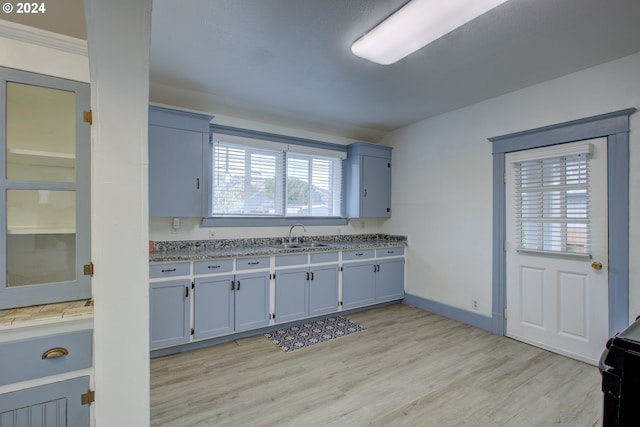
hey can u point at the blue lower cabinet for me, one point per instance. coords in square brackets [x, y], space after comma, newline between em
[292, 294]
[323, 290]
[169, 312]
[251, 300]
[228, 303]
[389, 279]
[305, 292]
[214, 308]
[54, 404]
[305, 286]
[358, 284]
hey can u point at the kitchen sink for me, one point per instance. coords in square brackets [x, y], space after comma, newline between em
[304, 245]
[315, 245]
[286, 246]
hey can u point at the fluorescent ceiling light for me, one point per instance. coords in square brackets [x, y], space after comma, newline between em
[415, 25]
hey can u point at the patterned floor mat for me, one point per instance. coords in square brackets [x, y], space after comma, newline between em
[308, 334]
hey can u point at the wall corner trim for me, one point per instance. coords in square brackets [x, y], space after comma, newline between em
[24, 33]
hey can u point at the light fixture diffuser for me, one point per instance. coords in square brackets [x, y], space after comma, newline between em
[415, 25]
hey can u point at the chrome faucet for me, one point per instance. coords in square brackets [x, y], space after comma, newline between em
[292, 227]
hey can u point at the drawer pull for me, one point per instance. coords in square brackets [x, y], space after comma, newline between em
[254, 263]
[359, 254]
[213, 266]
[168, 271]
[54, 353]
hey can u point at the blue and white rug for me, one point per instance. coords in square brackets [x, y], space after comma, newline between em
[308, 334]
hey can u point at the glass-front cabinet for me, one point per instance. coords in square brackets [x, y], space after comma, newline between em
[45, 149]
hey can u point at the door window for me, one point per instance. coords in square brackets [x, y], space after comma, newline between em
[552, 202]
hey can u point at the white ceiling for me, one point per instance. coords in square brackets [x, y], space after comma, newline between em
[292, 58]
[289, 61]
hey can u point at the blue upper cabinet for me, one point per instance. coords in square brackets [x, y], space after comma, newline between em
[368, 181]
[178, 156]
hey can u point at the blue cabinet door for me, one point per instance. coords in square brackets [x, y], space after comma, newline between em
[213, 306]
[55, 404]
[176, 181]
[323, 290]
[292, 294]
[390, 280]
[251, 300]
[376, 187]
[169, 312]
[368, 180]
[358, 284]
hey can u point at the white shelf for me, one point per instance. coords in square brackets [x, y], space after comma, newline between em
[39, 230]
[39, 153]
[40, 158]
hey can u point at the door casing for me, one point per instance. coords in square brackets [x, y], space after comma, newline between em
[615, 127]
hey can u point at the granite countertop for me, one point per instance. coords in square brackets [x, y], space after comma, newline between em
[190, 250]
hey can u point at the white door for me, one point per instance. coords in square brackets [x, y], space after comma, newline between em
[557, 255]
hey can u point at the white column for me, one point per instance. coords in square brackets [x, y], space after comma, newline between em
[118, 41]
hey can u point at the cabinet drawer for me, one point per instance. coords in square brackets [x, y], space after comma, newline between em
[252, 263]
[324, 257]
[384, 252]
[213, 266]
[358, 254]
[169, 270]
[297, 259]
[27, 359]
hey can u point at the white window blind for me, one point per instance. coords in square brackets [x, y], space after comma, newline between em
[249, 180]
[552, 202]
[314, 185]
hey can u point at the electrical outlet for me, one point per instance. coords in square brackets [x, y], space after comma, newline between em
[211, 234]
[474, 304]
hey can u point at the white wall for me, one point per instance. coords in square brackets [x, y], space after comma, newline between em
[442, 194]
[160, 229]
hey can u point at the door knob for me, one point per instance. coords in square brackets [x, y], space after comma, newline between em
[596, 265]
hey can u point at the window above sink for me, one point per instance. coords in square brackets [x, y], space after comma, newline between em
[262, 179]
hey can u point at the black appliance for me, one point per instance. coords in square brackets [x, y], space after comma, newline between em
[620, 369]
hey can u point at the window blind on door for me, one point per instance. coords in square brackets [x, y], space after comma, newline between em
[552, 201]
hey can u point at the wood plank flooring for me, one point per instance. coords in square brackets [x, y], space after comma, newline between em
[409, 368]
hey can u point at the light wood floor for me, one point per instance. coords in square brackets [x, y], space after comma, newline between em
[409, 368]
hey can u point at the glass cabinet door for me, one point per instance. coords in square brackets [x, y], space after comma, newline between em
[41, 125]
[45, 180]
